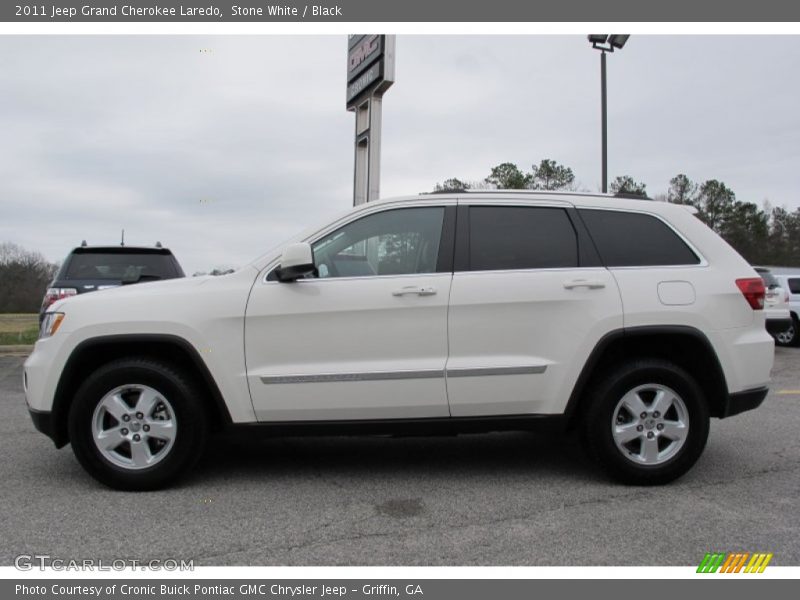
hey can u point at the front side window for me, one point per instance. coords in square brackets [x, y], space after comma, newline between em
[394, 242]
[521, 237]
[628, 239]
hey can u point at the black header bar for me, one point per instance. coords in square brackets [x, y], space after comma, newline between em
[401, 11]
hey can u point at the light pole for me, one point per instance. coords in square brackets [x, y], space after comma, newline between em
[605, 43]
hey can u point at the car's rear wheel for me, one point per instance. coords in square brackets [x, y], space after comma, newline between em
[137, 424]
[646, 422]
[789, 337]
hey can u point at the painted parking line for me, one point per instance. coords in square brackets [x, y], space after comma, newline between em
[788, 392]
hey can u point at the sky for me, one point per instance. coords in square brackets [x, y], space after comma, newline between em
[221, 147]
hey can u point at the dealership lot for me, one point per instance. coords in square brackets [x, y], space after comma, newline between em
[499, 499]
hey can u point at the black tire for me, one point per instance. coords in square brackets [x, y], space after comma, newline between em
[791, 337]
[189, 416]
[602, 406]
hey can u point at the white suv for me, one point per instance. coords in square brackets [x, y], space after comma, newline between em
[627, 320]
[791, 285]
[776, 307]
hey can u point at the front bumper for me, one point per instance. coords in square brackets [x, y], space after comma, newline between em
[775, 326]
[43, 422]
[740, 402]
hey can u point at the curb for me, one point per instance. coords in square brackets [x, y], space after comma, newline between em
[16, 350]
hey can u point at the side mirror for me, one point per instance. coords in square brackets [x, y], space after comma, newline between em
[297, 261]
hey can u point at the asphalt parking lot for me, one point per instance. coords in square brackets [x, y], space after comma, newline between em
[498, 499]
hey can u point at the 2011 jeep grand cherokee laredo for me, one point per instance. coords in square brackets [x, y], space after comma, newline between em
[628, 320]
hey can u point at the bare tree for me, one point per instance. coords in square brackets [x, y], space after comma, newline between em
[24, 276]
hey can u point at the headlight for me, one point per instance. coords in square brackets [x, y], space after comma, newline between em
[50, 324]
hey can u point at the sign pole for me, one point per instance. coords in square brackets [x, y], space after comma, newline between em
[370, 72]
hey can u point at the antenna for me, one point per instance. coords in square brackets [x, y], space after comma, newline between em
[83, 244]
[122, 242]
[158, 245]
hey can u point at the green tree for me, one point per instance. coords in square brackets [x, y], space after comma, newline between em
[784, 237]
[626, 185]
[746, 228]
[507, 176]
[682, 190]
[451, 185]
[714, 201]
[549, 175]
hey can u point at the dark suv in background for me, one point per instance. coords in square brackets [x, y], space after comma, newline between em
[91, 268]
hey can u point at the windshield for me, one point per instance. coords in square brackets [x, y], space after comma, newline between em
[120, 267]
[769, 279]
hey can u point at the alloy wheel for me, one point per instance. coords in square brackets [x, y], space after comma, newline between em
[134, 427]
[650, 424]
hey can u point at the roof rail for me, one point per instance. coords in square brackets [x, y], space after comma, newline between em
[632, 196]
[622, 195]
[541, 192]
[449, 191]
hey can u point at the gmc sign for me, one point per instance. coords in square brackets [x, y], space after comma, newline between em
[370, 66]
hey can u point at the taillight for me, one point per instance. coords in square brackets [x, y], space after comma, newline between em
[53, 294]
[753, 291]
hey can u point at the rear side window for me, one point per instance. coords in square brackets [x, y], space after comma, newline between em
[626, 239]
[120, 266]
[794, 285]
[520, 237]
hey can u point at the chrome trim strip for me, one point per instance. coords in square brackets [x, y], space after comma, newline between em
[396, 375]
[341, 377]
[489, 371]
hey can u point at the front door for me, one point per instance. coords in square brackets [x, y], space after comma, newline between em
[367, 337]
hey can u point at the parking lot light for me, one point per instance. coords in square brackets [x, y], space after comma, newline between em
[605, 43]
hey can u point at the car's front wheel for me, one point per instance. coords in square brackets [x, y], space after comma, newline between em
[137, 424]
[646, 422]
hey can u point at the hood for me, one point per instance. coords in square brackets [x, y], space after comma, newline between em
[152, 293]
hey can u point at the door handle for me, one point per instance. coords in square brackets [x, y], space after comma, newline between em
[415, 289]
[591, 284]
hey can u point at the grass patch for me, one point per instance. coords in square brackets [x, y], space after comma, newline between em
[18, 329]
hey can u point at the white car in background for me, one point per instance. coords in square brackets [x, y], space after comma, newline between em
[791, 285]
[776, 306]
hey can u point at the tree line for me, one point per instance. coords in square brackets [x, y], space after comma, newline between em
[24, 276]
[763, 235]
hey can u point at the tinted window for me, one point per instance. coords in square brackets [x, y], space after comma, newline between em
[393, 242]
[626, 239]
[768, 278]
[794, 285]
[519, 237]
[120, 267]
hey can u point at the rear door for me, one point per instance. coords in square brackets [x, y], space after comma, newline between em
[529, 301]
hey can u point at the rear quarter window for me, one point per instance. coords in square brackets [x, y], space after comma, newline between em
[794, 285]
[629, 239]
